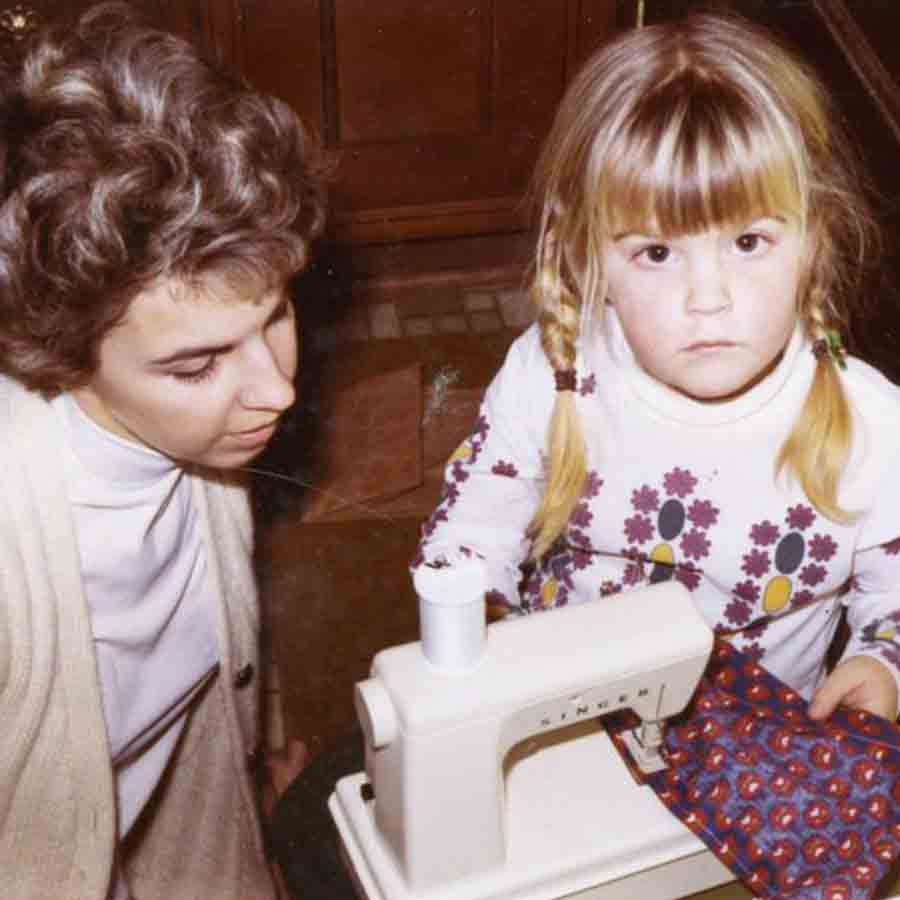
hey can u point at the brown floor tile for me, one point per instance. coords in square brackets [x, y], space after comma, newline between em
[451, 324]
[384, 321]
[431, 300]
[479, 302]
[417, 326]
[485, 322]
[516, 308]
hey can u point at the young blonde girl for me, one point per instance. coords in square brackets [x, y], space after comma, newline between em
[683, 407]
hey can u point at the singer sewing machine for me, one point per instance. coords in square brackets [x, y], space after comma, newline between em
[497, 781]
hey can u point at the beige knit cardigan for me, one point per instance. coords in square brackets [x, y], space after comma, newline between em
[201, 836]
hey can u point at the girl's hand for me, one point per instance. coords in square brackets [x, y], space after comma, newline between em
[861, 682]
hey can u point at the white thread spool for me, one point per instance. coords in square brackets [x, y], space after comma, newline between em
[452, 611]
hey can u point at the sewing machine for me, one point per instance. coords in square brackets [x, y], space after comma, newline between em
[494, 779]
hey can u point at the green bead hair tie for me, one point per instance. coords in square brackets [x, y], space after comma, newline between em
[832, 347]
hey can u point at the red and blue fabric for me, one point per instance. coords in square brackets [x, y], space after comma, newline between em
[796, 808]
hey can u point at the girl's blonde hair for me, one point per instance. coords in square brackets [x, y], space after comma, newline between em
[683, 127]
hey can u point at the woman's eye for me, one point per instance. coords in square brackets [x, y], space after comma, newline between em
[194, 375]
[656, 253]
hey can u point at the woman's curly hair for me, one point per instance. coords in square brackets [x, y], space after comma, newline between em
[129, 159]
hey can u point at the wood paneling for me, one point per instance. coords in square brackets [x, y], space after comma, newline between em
[434, 110]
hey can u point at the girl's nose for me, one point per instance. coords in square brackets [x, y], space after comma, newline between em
[708, 289]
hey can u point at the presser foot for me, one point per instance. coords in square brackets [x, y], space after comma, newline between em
[647, 755]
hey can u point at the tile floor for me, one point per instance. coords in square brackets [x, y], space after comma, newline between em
[457, 309]
[449, 309]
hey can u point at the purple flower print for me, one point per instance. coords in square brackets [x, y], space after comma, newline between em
[578, 539]
[694, 544]
[645, 499]
[581, 516]
[679, 482]
[592, 485]
[608, 588]
[687, 576]
[764, 533]
[588, 385]
[812, 574]
[635, 554]
[458, 472]
[455, 475]
[638, 529]
[634, 571]
[504, 468]
[892, 548]
[800, 517]
[757, 629]
[802, 598]
[756, 563]
[753, 652]
[662, 515]
[581, 559]
[738, 612]
[634, 574]
[703, 514]
[822, 547]
[438, 516]
[747, 590]
[561, 569]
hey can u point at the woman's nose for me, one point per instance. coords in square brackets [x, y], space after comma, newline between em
[270, 383]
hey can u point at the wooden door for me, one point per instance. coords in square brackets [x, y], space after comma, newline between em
[435, 109]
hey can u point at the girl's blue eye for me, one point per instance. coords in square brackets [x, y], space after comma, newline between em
[201, 374]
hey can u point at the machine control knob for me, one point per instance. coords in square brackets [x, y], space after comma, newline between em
[376, 713]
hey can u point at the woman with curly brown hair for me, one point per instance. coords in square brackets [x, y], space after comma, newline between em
[154, 209]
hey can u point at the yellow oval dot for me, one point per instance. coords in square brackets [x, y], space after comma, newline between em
[549, 592]
[777, 594]
[663, 553]
[461, 453]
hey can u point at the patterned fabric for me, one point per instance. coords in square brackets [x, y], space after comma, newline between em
[794, 807]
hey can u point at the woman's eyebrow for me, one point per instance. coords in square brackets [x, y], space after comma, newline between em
[212, 349]
[192, 353]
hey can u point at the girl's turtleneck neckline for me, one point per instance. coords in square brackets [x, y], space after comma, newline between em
[671, 404]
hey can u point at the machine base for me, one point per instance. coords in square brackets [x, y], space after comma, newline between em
[577, 824]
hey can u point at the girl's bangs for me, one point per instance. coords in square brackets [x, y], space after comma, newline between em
[694, 167]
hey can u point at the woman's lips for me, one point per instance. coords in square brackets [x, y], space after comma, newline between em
[255, 436]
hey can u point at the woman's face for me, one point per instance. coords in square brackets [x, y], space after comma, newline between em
[201, 375]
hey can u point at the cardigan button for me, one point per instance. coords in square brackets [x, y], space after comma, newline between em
[254, 759]
[243, 676]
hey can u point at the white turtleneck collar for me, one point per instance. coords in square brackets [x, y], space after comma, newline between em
[107, 456]
[613, 348]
